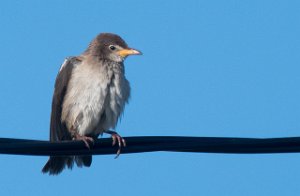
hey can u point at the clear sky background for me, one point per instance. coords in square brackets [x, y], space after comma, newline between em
[210, 68]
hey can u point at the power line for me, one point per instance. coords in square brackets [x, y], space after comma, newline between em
[153, 144]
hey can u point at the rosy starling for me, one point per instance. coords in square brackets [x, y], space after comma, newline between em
[90, 93]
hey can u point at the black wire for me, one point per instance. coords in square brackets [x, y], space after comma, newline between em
[153, 144]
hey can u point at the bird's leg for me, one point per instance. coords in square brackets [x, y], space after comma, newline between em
[116, 138]
[83, 138]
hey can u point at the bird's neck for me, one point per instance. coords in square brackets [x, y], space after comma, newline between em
[97, 61]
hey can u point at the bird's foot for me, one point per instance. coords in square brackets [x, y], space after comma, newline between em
[85, 139]
[116, 138]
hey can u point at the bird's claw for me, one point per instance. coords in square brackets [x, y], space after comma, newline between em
[117, 138]
[85, 139]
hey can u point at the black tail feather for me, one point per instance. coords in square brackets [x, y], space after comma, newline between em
[83, 161]
[56, 165]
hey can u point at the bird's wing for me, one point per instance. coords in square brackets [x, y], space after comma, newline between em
[58, 130]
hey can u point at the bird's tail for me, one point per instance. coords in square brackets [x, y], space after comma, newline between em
[56, 165]
[83, 160]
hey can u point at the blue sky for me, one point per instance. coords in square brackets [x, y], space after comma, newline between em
[210, 68]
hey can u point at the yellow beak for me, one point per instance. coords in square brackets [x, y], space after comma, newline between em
[125, 52]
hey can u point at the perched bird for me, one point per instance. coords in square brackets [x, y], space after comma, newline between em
[90, 93]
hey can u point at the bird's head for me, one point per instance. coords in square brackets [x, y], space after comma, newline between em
[110, 47]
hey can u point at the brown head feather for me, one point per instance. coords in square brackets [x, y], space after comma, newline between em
[99, 45]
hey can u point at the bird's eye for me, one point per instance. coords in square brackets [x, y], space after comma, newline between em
[112, 47]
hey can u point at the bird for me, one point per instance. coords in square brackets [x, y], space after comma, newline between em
[89, 97]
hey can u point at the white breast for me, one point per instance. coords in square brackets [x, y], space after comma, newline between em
[94, 92]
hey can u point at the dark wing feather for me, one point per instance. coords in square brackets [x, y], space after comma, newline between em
[58, 130]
